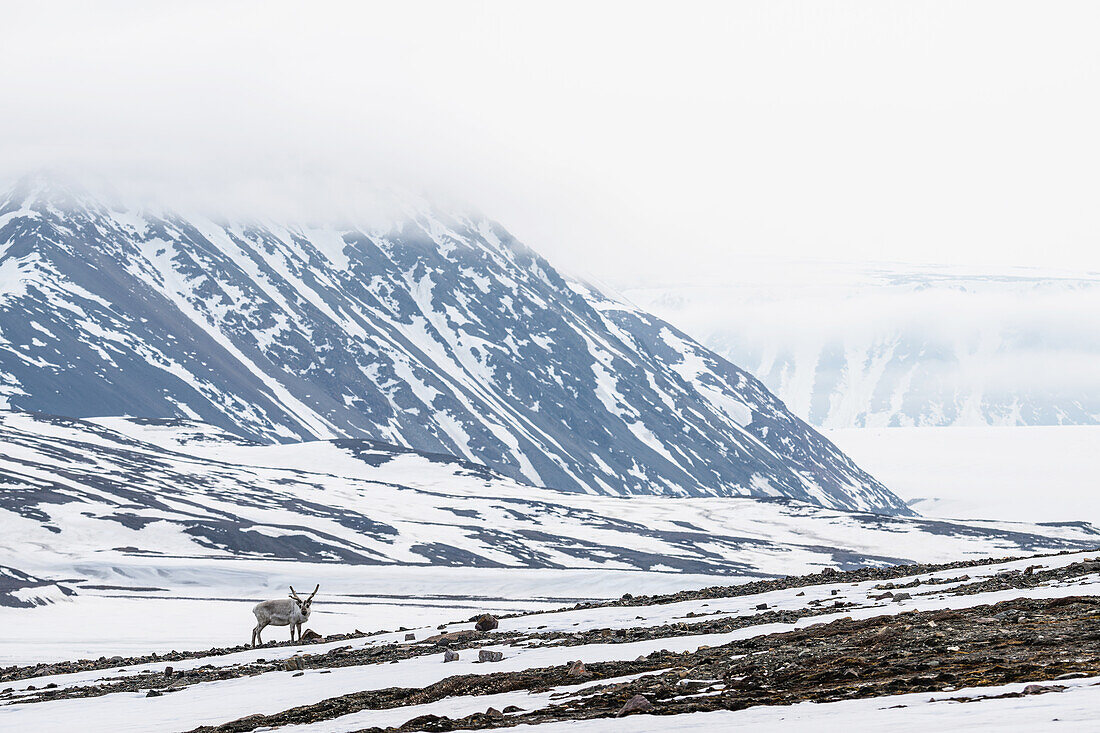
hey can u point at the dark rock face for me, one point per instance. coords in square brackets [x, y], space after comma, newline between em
[442, 333]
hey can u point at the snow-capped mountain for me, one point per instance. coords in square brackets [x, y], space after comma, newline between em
[85, 498]
[856, 346]
[441, 333]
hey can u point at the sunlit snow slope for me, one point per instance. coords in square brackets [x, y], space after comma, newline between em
[441, 333]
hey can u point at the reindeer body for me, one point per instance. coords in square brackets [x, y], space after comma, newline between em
[292, 612]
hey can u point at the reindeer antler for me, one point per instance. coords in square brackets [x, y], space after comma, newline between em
[295, 595]
[313, 593]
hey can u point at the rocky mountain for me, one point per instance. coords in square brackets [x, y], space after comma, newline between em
[440, 333]
[848, 346]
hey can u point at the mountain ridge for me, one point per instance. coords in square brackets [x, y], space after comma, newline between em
[442, 333]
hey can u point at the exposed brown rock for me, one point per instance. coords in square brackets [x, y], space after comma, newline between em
[487, 622]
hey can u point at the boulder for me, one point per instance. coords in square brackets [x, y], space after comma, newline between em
[484, 655]
[576, 669]
[487, 622]
[450, 655]
[453, 636]
[636, 704]
[310, 635]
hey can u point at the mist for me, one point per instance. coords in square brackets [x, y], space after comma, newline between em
[858, 341]
[620, 141]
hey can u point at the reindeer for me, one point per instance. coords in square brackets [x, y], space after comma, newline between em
[292, 612]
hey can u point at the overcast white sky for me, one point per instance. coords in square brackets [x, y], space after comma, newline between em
[622, 140]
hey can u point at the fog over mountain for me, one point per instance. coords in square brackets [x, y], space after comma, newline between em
[640, 142]
[902, 345]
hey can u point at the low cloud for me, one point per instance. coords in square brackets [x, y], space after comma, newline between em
[641, 142]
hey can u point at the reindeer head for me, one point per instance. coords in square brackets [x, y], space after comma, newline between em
[303, 606]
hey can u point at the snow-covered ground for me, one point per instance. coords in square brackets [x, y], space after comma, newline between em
[210, 604]
[1034, 474]
[171, 532]
[219, 701]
